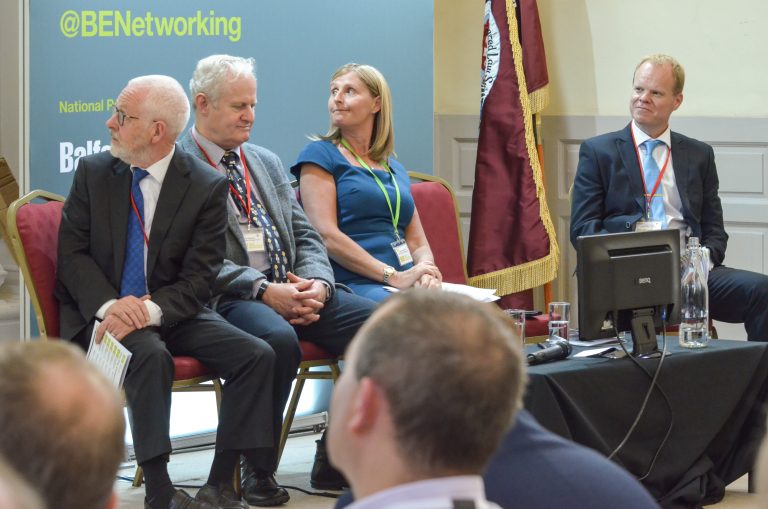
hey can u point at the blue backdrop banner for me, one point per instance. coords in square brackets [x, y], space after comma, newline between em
[83, 52]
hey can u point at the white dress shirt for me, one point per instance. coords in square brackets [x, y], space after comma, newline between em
[673, 205]
[438, 493]
[150, 189]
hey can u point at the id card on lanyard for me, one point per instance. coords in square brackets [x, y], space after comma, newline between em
[254, 239]
[399, 246]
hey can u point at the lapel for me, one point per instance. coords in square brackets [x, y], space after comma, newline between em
[628, 153]
[119, 192]
[681, 169]
[172, 193]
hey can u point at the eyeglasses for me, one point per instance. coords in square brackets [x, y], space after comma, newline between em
[121, 115]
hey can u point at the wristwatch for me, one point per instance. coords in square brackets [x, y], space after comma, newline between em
[261, 289]
[388, 273]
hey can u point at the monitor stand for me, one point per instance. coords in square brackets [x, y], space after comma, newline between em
[644, 334]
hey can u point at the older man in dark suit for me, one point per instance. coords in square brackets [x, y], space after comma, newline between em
[141, 241]
[648, 177]
[276, 282]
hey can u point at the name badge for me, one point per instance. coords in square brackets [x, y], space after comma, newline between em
[648, 226]
[254, 239]
[402, 252]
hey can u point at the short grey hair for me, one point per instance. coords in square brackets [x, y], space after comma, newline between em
[166, 101]
[212, 71]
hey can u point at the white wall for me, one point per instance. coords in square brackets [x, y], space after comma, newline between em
[10, 83]
[593, 45]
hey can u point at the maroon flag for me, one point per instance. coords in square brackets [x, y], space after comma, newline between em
[512, 243]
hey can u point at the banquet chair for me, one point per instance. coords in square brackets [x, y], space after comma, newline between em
[34, 237]
[439, 214]
[312, 356]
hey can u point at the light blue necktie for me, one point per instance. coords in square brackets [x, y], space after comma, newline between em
[651, 174]
[133, 281]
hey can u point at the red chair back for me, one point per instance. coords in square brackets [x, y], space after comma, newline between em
[439, 217]
[34, 231]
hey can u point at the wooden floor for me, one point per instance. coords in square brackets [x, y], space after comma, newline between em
[191, 468]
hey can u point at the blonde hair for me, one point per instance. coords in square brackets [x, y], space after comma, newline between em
[383, 139]
[677, 70]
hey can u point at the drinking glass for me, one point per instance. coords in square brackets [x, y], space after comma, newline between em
[559, 318]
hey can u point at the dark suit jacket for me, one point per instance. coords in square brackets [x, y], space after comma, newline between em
[304, 247]
[608, 190]
[535, 469]
[186, 244]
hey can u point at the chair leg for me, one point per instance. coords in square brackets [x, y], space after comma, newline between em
[292, 405]
[138, 477]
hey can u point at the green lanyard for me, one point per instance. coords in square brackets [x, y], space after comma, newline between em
[396, 214]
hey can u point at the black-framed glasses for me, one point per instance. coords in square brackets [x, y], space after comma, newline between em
[121, 115]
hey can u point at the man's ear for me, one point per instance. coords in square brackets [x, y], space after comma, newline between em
[158, 131]
[678, 101]
[202, 103]
[366, 407]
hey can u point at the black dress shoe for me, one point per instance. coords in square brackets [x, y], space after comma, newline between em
[263, 491]
[223, 496]
[324, 476]
[183, 500]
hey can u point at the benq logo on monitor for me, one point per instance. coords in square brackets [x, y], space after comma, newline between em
[644, 281]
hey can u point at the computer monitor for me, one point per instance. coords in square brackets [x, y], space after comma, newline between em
[628, 280]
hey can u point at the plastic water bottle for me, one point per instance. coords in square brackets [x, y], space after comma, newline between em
[694, 311]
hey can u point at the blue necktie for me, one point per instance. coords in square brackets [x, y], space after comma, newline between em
[133, 281]
[651, 174]
[259, 217]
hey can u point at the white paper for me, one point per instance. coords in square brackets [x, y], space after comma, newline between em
[592, 352]
[481, 294]
[110, 357]
[607, 341]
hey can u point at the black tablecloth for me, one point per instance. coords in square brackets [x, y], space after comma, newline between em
[717, 396]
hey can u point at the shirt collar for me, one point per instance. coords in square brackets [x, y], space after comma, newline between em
[641, 137]
[215, 152]
[459, 487]
[159, 168]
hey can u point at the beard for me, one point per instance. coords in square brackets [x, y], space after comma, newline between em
[132, 157]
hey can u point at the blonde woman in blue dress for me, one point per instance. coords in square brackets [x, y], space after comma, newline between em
[358, 196]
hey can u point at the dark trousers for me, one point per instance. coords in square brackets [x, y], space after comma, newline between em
[244, 362]
[740, 296]
[338, 323]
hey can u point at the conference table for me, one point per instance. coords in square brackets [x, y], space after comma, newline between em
[717, 398]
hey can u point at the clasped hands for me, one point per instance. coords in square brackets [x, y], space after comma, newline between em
[299, 300]
[124, 316]
[424, 274]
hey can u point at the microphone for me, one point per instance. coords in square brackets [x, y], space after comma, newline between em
[561, 350]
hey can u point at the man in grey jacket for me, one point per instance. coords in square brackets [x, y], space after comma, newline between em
[276, 282]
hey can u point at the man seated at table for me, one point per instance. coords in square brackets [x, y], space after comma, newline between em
[647, 177]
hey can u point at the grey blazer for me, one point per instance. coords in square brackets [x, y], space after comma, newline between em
[307, 255]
